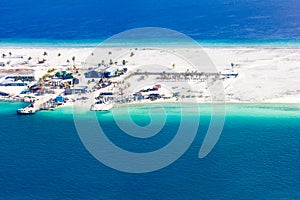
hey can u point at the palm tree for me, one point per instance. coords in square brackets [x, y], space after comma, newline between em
[163, 75]
[73, 59]
[74, 67]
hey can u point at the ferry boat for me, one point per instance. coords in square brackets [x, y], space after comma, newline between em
[25, 111]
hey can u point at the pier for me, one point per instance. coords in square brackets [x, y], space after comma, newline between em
[45, 103]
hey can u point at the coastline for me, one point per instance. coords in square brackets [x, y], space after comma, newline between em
[255, 110]
[94, 43]
[266, 75]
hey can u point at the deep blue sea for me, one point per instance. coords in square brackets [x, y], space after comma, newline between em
[256, 157]
[78, 22]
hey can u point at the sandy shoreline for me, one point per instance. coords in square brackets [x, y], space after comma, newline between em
[266, 75]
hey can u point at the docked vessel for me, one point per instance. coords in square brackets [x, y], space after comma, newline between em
[25, 111]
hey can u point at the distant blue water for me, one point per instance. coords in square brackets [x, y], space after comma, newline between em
[81, 22]
[257, 157]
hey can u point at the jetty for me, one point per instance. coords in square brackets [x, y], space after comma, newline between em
[46, 103]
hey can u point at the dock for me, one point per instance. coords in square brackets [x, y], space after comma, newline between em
[46, 103]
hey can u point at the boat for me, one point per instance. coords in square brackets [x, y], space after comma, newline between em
[25, 111]
[102, 106]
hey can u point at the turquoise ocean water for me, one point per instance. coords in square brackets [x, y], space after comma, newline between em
[256, 157]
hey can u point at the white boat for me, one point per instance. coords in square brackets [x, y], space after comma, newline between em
[25, 111]
[102, 106]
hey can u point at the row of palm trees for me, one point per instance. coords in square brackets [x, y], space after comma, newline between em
[111, 61]
[73, 59]
[185, 76]
[4, 55]
[44, 54]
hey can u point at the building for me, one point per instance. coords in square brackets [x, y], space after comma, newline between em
[26, 77]
[55, 82]
[138, 96]
[110, 71]
[4, 94]
[59, 99]
[76, 90]
[228, 73]
[12, 82]
[93, 74]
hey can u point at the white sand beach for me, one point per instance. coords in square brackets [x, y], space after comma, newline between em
[264, 74]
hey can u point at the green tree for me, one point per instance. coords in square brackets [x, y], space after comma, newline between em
[57, 74]
[51, 70]
[73, 59]
[64, 73]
